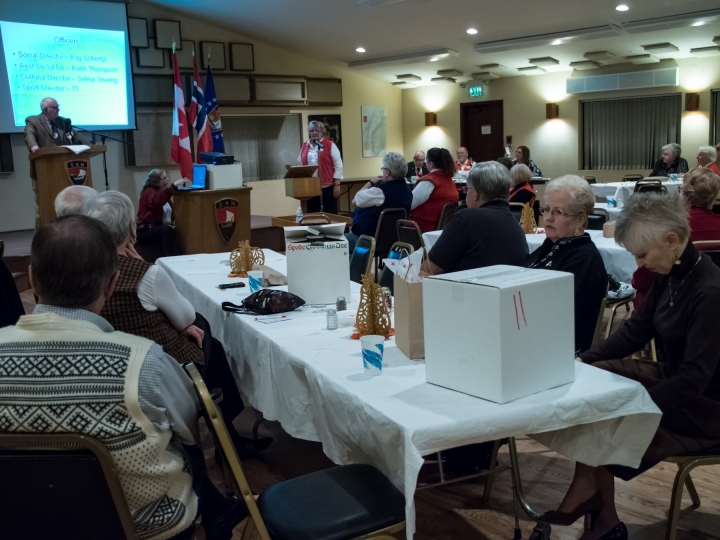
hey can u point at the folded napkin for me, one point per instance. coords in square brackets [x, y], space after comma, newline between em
[271, 277]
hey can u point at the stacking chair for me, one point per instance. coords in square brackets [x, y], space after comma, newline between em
[61, 486]
[340, 503]
[516, 209]
[399, 251]
[631, 177]
[385, 235]
[644, 186]
[409, 233]
[614, 304]
[590, 179]
[362, 258]
[711, 248]
[597, 218]
[682, 479]
[446, 213]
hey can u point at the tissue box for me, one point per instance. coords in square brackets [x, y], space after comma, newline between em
[318, 274]
[224, 176]
[499, 333]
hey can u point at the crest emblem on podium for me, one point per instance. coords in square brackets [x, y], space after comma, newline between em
[226, 215]
[78, 171]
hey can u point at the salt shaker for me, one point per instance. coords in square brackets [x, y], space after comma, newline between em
[332, 323]
[340, 304]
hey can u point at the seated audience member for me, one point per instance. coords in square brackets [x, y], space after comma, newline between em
[484, 234]
[681, 312]
[699, 191]
[389, 190]
[504, 160]
[146, 303]
[156, 193]
[568, 248]
[416, 167]
[707, 158]
[522, 157]
[434, 189]
[463, 163]
[670, 162]
[11, 306]
[73, 200]
[131, 396]
[521, 190]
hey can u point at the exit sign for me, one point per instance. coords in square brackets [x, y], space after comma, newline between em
[475, 91]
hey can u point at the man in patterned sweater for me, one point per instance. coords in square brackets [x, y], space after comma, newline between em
[64, 369]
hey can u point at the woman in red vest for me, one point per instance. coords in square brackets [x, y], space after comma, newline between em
[323, 153]
[434, 189]
[521, 190]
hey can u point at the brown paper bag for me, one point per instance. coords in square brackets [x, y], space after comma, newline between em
[409, 329]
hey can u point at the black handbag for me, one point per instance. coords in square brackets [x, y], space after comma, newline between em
[266, 302]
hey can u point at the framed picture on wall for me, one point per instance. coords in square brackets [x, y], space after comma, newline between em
[138, 32]
[242, 57]
[167, 32]
[216, 51]
[151, 57]
[333, 128]
[184, 55]
[374, 131]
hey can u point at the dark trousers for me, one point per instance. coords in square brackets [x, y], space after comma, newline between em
[330, 204]
[162, 236]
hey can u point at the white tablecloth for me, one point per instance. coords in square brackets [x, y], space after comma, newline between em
[618, 262]
[311, 380]
[621, 191]
[611, 210]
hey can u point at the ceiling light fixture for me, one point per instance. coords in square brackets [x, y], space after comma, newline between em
[403, 84]
[584, 64]
[402, 59]
[622, 7]
[557, 42]
[639, 59]
[543, 61]
[706, 51]
[494, 67]
[660, 48]
[430, 119]
[360, 49]
[531, 70]
[485, 76]
[552, 111]
[527, 42]
[699, 23]
[600, 56]
[409, 77]
[471, 31]
[443, 80]
[450, 73]
[692, 102]
[672, 22]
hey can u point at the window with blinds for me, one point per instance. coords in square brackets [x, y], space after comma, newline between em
[628, 133]
[258, 141]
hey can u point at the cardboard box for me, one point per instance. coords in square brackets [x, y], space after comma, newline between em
[318, 273]
[499, 333]
[224, 176]
[409, 333]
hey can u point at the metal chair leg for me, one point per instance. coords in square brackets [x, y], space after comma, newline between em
[489, 478]
[694, 497]
[613, 311]
[676, 499]
[440, 467]
[248, 530]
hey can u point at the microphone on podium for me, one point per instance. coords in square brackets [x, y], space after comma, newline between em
[68, 129]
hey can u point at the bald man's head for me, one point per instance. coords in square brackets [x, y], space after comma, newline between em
[462, 154]
[75, 200]
[50, 108]
[419, 160]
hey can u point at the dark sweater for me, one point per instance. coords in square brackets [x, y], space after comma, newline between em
[479, 237]
[687, 331]
[578, 256]
[397, 195]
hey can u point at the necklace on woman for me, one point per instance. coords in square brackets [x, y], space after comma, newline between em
[672, 296]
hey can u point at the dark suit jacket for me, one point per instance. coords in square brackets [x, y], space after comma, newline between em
[38, 133]
[411, 170]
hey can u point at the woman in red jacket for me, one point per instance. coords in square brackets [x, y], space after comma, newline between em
[434, 189]
[156, 193]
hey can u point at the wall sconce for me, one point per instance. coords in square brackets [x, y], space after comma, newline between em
[430, 119]
[552, 111]
[692, 102]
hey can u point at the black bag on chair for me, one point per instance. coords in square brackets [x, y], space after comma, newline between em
[266, 302]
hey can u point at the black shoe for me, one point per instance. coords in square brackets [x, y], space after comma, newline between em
[222, 528]
[249, 448]
[619, 532]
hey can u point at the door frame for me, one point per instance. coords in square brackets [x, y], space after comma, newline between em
[467, 104]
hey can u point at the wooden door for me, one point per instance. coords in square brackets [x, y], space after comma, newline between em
[481, 130]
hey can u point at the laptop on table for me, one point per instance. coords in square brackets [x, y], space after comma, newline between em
[199, 178]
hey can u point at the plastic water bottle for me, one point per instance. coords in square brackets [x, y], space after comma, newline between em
[298, 215]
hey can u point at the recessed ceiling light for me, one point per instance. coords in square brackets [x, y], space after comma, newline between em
[471, 31]
[557, 42]
[699, 23]
[360, 49]
[622, 7]
[434, 59]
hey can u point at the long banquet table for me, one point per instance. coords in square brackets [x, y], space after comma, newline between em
[621, 191]
[312, 381]
[618, 262]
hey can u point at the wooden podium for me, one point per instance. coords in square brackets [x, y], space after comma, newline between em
[212, 221]
[57, 167]
[302, 185]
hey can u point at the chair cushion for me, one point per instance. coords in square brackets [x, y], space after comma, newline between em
[334, 504]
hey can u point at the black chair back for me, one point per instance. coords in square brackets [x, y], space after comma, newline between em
[631, 177]
[362, 257]
[596, 221]
[446, 213]
[385, 233]
[710, 248]
[516, 210]
[536, 211]
[644, 186]
[61, 486]
[409, 233]
[399, 251]
[590, 179]
[2, 249]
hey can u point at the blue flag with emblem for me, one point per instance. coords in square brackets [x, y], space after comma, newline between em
[213, 113]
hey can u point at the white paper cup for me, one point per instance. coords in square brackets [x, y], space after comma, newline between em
[372, 353]
[255, 278]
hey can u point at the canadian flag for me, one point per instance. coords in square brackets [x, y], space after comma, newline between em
[180, 148]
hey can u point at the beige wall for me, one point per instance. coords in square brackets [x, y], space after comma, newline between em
[17, 210]
[554, 143]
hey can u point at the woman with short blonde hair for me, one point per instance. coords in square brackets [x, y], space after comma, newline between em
[521, 190]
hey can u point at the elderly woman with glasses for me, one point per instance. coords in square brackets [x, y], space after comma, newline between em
[568, 248]
[325, 154]
[681, 313]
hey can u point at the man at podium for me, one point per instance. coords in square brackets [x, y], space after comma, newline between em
[323, 153]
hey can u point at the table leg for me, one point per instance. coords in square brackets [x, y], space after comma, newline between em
[541, 530]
